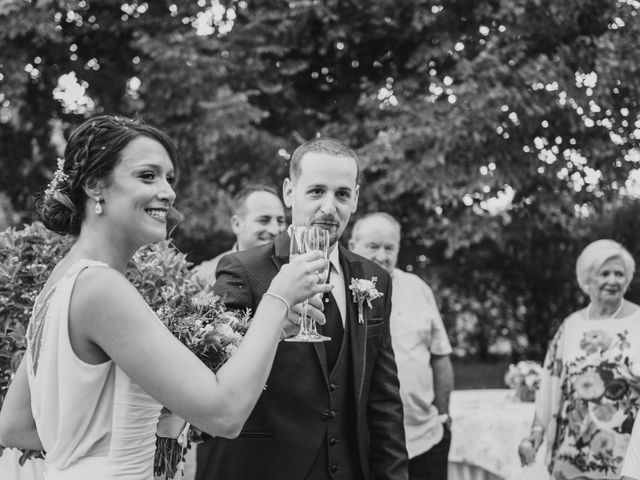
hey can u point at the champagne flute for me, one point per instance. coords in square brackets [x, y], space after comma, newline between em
[296, 248]
[317, 239]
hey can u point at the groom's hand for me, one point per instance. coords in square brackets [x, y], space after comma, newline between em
[314, 311]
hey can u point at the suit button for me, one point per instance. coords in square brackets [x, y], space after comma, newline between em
[332, 387]
[334, 468]
[333, 442]
[328, 415]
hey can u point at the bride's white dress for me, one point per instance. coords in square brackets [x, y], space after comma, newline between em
[93, 420]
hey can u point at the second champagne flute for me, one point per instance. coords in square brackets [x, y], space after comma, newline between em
[318, 239]
[296, 248]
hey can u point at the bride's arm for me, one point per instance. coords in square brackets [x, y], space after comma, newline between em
[17, 427]
[118, 321]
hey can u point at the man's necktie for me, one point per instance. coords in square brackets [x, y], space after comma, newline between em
[333, 328]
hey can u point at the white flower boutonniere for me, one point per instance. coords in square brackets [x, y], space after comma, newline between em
[364, 291]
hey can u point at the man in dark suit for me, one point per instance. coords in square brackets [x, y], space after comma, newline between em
[330, 410]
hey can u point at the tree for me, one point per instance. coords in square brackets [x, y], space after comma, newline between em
[495, 130]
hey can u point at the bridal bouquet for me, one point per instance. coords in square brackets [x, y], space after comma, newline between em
[210, 331]
[524, 378]
[160, 273]
[187, 307]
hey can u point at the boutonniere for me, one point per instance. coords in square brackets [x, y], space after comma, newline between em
[364, 291]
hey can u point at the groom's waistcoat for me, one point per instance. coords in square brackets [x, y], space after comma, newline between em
[338, 453]
[302, 426]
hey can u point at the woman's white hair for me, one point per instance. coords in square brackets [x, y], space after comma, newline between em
[596, 254]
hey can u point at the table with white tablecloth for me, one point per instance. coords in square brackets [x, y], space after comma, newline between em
[486, 430]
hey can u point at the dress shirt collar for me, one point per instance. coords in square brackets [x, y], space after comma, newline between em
[334, 258]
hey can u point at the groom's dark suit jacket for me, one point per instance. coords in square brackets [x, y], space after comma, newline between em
[285, 431]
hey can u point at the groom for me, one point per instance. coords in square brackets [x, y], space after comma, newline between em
[329, 410]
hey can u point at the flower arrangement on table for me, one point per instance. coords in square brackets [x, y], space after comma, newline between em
[524, 378]
[161, 273]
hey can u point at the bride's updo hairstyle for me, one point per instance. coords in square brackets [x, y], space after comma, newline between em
[92, 152]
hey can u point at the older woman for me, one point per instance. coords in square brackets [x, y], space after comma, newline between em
[586, 405]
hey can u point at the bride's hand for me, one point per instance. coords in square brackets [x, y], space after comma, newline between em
[300, 279]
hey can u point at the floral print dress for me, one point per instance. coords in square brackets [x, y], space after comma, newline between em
[587, 397]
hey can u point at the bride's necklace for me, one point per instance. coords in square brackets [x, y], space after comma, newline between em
[613, 315]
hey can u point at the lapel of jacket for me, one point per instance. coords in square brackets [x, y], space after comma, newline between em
[352, 268]
[281, 250]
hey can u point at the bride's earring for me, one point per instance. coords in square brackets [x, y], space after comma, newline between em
[98, 207]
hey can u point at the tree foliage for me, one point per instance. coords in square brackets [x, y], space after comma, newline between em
[503, 134]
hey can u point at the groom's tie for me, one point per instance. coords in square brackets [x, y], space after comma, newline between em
[332, 328]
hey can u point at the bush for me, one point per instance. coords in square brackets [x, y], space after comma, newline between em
[26, 259]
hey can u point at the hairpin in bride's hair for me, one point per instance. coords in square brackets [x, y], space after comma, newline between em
[59, 178]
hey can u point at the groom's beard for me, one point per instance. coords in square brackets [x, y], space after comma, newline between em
[330, 224]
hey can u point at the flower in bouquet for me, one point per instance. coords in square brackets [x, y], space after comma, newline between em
[208, 329]
[524, 378]
[363, 290]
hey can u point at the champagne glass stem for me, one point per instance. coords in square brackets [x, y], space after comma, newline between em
[313, 331]
[304, 322]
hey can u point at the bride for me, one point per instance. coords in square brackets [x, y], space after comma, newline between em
[99, 365]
